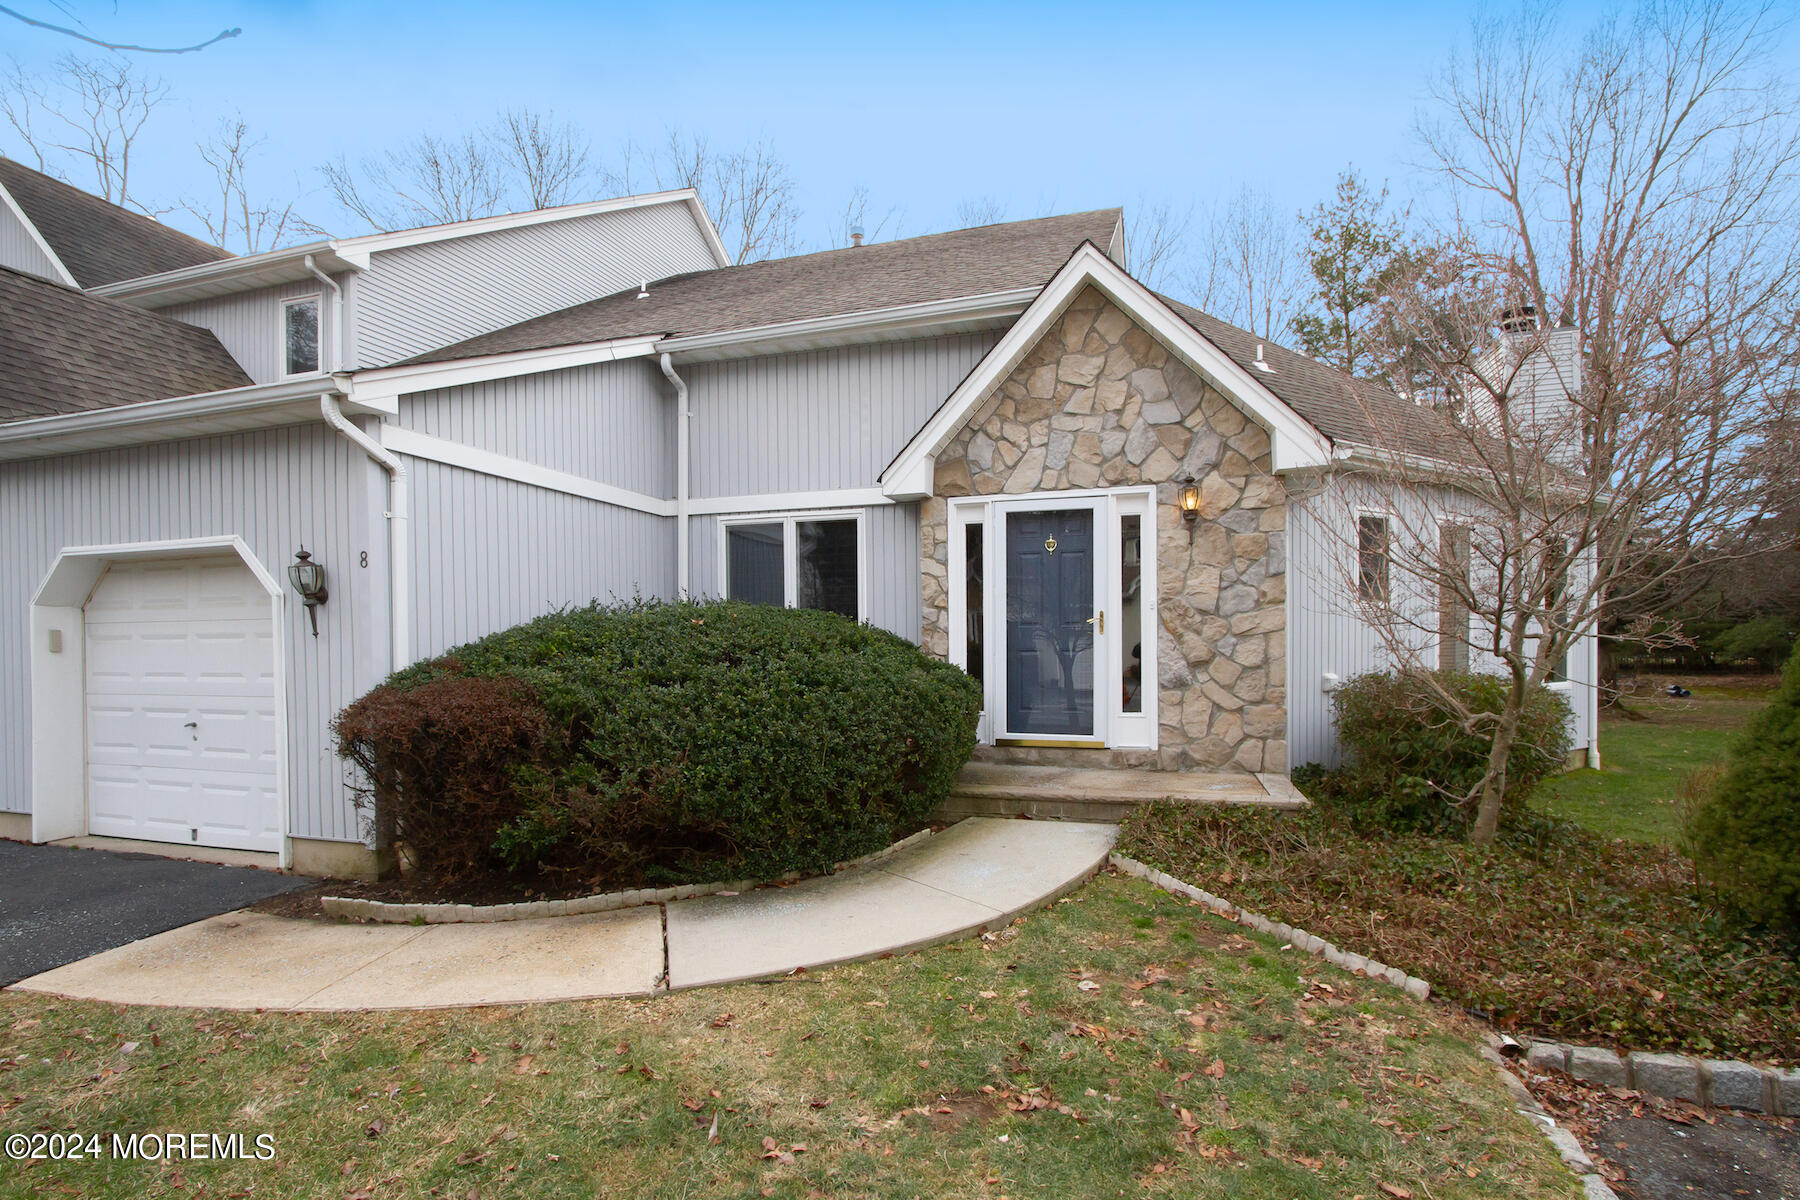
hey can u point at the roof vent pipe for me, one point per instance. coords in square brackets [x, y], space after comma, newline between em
[856, 235]
[644, 290]
[1260, 364]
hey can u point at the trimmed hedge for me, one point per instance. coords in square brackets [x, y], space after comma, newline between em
[1746, 834]
[1408, 756]
[663, 742]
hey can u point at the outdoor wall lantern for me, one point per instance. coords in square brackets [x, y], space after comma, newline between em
[308, 578]
[1190, 503]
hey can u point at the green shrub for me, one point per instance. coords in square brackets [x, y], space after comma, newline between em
[1410, 760]
[677, 742]
[1745, 835]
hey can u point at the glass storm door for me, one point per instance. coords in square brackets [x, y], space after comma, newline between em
[1053, 625]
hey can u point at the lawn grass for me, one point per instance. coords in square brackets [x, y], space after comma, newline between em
[1121, 1043]
[1553, 930]
[1647, 751]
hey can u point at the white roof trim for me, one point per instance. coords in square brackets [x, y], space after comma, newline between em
[37, 238]
[923, 317]
[382, 386]
[178, 416]
[372, 243]
[1293, 441]
[341, 254]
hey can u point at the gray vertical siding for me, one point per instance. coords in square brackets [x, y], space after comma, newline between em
[824, 419]
[248, 324]
[19, 250]
[891, 553]
[1326, 634]
[417, 298]
[611, 422]
[489, 553]
[276, 489]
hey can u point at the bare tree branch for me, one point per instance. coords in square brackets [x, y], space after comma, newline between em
[75, 33]
[1247, 270]
[236, 215]
[92, 113]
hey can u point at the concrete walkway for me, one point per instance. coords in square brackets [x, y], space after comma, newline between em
[974, 875]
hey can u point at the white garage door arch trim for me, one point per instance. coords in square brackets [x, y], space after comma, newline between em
[59, 677]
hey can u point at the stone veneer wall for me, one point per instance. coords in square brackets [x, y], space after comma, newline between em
[1100, 403]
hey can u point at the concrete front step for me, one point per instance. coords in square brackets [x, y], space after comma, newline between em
[1100, 794]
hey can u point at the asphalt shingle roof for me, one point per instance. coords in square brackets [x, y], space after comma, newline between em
[63, 351]
[1345, 409]
[100, 242]
[940, 266]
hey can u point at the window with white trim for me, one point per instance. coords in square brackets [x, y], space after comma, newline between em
[797, 561]
[1372, 557]
[300, 336]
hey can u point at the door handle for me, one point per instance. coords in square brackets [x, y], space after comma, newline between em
[1098, 620]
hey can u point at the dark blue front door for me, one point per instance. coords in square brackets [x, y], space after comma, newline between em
[1050, 623]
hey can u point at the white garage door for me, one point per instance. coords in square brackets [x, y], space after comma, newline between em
[181, 705]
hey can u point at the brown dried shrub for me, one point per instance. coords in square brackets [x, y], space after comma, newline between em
[449, 762]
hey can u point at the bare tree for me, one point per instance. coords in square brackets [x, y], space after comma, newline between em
[232, 213]
[857, 216]
[1612, 328]
[1246, 269]
[548, 158]
[85, 120]
[748, 191]
[427, 180]
[980, 210]
[1155, 236]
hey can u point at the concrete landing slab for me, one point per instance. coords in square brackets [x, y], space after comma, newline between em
[1103, 793]
[975, 874]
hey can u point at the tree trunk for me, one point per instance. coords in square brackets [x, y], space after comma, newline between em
[1493, 788]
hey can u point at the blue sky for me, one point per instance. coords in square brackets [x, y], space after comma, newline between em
[1044, 106]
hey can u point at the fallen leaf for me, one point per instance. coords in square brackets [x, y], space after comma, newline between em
[1396, 1191]
[375, 1128]
[712, 1135]
[1088, 985]
[723, 1021]
[1217, 1070]
[523, 1066]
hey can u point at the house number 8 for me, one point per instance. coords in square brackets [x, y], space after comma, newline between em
[365, 558]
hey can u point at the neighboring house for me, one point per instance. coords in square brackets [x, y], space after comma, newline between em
[978, 440]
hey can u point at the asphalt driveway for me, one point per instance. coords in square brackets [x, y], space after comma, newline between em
[59, 904]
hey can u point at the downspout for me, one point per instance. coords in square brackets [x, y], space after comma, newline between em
[337, 313]
[399, 559]
[681, 478]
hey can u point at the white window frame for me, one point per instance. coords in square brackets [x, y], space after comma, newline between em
[318, 301]
[790, 549]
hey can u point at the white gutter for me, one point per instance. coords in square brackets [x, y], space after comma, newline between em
[399, 560]
[337, 313]
[681, 478]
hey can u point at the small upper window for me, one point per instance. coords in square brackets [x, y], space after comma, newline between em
[1372, 558]
[300, 336]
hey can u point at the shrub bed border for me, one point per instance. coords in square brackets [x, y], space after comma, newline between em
[1710, 1082]
[386, 912]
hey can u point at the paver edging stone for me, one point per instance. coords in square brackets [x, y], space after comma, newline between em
[384, 912]
[1710, 1082]
[1300, 939]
